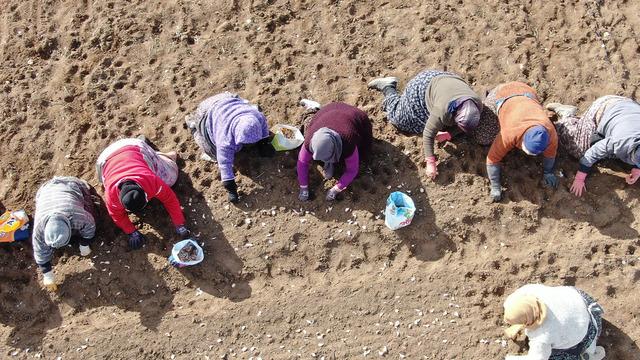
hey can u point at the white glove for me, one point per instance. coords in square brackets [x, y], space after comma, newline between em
[49, 281]
[333, 193]
[85, 250]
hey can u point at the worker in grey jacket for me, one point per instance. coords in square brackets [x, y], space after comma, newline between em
[610, 128]
[63, 208]
[432, 102]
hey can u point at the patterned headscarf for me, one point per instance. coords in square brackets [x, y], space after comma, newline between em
[247, 129]
[467, 114]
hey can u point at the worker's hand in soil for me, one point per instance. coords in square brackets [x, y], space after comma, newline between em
[578, 186]
[265, 149]
[432, 169]
[443, 136]
[550, 180]
[49, 281]
[175, 264]
[232, 190]
[633, 176]
[332, 194]
[136, 240]
[303, 195]
[493, 171]
[183, 232]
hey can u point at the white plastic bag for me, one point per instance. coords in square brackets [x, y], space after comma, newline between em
[167, 169]
[281, 142]
[399, 211]
[175, 258]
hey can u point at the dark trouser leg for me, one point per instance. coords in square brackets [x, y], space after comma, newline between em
[575, 134]
[199, 132]
[398, 109]
[389, 91]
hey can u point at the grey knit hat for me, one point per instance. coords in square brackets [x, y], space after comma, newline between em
[57, 231]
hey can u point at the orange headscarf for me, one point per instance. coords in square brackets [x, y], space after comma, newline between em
[523, 312]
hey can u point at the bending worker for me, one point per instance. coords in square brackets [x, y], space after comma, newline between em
[337, 133]
[524, 125]
[610, 128]
[221, 125]
[63, 209]
[133, 174]
[433, 103]
[561, 322]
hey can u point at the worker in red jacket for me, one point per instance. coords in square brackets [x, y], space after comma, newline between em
[133, 174]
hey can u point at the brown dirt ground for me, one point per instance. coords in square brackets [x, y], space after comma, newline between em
[308, 280]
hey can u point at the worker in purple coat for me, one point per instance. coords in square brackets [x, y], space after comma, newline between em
[221, 126]
[337, 132]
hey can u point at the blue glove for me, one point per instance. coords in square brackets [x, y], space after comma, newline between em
[136, 240]
[183, 232]
[550, 179]
[493, 170]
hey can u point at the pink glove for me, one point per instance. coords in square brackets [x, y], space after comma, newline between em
[432, 170]
[443, 136]
[578, 187]
[633, 177]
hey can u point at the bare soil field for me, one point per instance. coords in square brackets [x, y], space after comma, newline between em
[284, 279]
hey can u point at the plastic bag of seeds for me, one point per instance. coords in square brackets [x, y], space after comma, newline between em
[186, 253]
[286, 137]
[399, 211]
